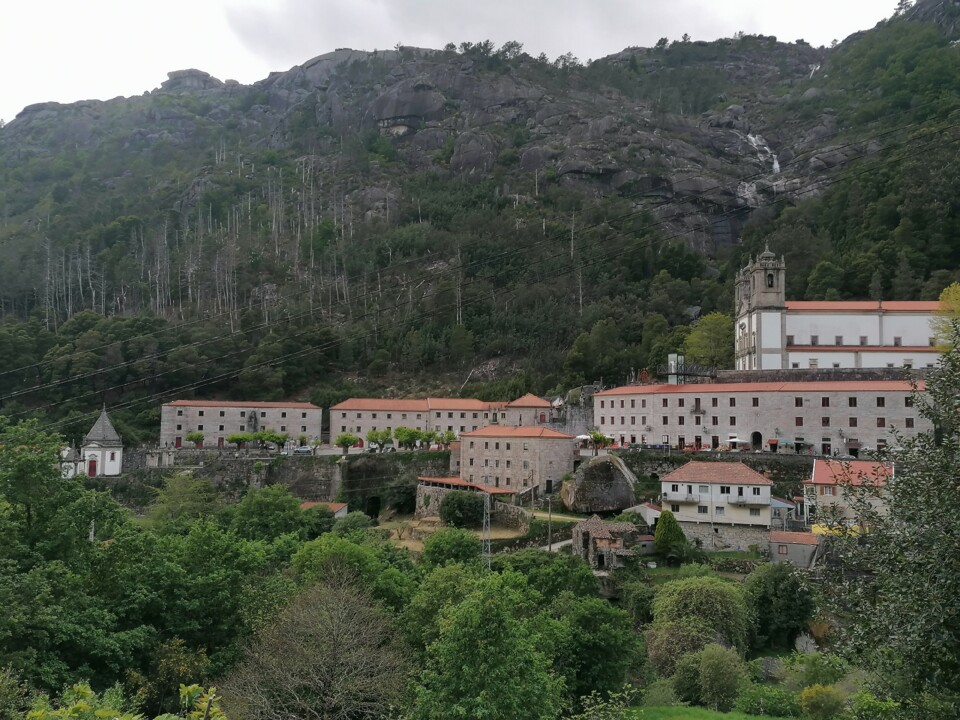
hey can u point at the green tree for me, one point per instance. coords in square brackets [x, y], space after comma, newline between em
[195, 437]
[451, 545]
[352, 522]
[486, 663]
[718, 604]
[181, 499]
[406, 437]
[668, 532]
[462, 509]
[710, 341]
[549, 573]
[598, 440]
[378, 438]
[721, 674]
[821, 702]
[346, 441]
[781, 604]
[267, 513]
[668, 641]
[447, 583]
[240, 439]
[879, 588]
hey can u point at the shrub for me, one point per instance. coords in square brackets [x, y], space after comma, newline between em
[721, 672]
[351, 522]
[659, 694]
[668, 641]
[636, 597]
[806, 669]
[781, 602]
[821, 702]
[462, 509]
[686, 679]
[668, 532]
[765, 700]
[865, 706]
[451, 545]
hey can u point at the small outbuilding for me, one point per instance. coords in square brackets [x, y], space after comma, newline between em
[797, 548]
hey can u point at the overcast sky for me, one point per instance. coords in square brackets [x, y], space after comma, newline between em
[69, 50]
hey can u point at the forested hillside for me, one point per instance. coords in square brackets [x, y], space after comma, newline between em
[403, 220]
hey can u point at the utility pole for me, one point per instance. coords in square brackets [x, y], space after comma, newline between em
[485, 534]
[549, 524]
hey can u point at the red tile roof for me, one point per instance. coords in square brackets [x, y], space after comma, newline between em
[793, 538]
[529, 401]
[652, 506]
[457, 482]
[921, 306]
[334, 507]
[716, 473]
[382, 404]
[645, 538]
[854, 472]
[524, 431]
[223, 403]
[767, 387]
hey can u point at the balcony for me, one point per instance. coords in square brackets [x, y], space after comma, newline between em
[680, 497]
[749, 501]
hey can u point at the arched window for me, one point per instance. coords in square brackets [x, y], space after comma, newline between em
[770, 280]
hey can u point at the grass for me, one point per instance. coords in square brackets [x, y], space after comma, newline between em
[690, 713]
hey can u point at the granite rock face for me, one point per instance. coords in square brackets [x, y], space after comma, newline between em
[602, 484]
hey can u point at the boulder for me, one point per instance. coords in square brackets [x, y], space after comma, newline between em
[473, 152]
[414, 98]
[602, 484]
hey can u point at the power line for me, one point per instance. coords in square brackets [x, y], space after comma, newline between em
[596, 259]
[393, 266]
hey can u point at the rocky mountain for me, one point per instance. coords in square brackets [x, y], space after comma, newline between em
[446, 209]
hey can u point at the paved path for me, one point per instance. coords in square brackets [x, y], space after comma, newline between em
[558, 546]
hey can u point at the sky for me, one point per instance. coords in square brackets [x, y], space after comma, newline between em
[69, 50]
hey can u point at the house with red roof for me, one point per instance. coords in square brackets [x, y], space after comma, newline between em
[338, 509]
[797, 548]
[832, 485]
[725, 505]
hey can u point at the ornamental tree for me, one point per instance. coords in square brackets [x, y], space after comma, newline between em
[668, 532]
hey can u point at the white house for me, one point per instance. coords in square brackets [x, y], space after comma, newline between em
[773, 333]
[102, 450]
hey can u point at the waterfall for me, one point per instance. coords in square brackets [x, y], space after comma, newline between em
[764, 153]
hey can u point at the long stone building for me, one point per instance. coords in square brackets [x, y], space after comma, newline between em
[516, 457]
[457, 415]
[217, 420]
[775, 333]
[827, 417]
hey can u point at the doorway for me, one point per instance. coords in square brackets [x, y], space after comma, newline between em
[756, 440]
[92, 467]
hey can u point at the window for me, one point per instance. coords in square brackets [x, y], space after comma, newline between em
[756, 402]
[824, 402]
[200, 413]
[496, 446]
[244, 427]
[908, 422]
[813, 364]
[486, 446]
[798, 421]
[851, 402]
[897, 341]
[680, 420]
[602, 404]
[508, 446]
[733, 402]
[621, 403]
[702, 509]
[621, 420]
[666, 402]
[680, 402]
[814, 339]
[795, 366]
[703, 489]
[853, 422]
[733, 420]
[696, 420]
[798, 402]
[881, 402]
[603, 420]
[863, 340]
[724, 489]
[283, 414]
[754, 512]
[343, 415]
[113, 456]
[781, 549]
[838, 340]
[714, 402]
[633, 403]
[283, 428]
[179, 413]
[881, 422]
[222, 413]
[303, 416]
[449, 415]
[836, 365]
[508, 463]
[643, 403]
[633, 419]
[908, 401]
[263, 414]
[179, 427]
[666, 420]
[675, 488]
[674, 508]
[824, 422]
[526, 464]
[755, 491]
[715, 420]
[827, 490]
[719, 510]
[790, 340]
[199, 427]
[526, 446]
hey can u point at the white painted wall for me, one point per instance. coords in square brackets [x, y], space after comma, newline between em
[721, 508]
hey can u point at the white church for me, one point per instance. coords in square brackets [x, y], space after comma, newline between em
[773, 333]
[100, 454]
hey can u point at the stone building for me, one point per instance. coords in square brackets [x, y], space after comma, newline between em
[100, 454]
[817, 417]
[529, 459]
[775, 333]
[827, 491]
[217, 420]
[457, 415]
[604, 545]
[724, 505]
[797, 548]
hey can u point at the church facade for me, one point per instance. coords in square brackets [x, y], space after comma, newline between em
[772, 333]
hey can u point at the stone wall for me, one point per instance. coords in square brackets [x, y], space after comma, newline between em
[428, 501]
[725, 537]
[512, 516]
[574, 419]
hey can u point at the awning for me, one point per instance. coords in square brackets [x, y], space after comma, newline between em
[773, 442]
